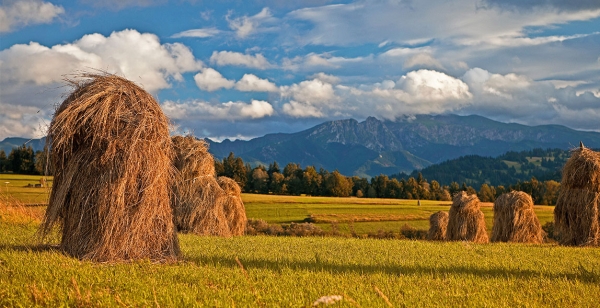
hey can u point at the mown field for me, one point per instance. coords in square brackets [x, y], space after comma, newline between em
[262, 271]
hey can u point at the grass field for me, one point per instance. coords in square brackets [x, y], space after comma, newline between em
[262, 271]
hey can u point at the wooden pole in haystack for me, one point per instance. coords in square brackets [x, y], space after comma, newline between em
[577, 211]
[112, 156]
[465, 220]
[515, 220]
[438, 225]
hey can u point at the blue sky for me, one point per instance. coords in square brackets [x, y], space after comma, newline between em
[242, 69]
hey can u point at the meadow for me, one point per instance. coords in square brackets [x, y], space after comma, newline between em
[266, 271]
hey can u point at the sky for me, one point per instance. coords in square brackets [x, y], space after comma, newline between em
[243, 69]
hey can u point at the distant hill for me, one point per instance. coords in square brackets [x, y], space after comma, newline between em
[374, 147]
[506, 169]
[12, 142]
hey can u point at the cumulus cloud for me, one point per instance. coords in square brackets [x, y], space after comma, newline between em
[423, 60]
[136, 56]
[27, 12]
[223, 58]
[121, 4]
[247, 25]
[251, 83]
[22, 121]
[308, 98]
[211, 80]
[198, 33]
[326, 78]
[572, 5]
[201, 110]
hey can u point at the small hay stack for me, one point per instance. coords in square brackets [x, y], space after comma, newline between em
[112, 156]
[515, 220]
[233, 205]
[465, 220]
[577, 211]
[198, 201]
[438, 224]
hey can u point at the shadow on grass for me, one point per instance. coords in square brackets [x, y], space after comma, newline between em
[580, 273]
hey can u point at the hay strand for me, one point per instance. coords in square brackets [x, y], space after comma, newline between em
[465, 220]
[438, 224]
[515, 220]
[112, 156]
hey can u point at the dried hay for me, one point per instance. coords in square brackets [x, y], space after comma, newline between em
[438, 224]
[233, 206]
[198, 201]
[465, 220]
[112, 156]
[577, 211]
[515, 220]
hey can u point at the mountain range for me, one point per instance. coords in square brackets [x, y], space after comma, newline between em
[374, 147]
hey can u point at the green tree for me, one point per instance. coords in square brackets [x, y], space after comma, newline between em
[260, 180]
[551, 192]
[486, 193]
[311, 181]
[338, 185]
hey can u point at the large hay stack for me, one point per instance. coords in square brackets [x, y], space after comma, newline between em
[577, 211]
[465, 220]
[112, 156]
[438, 224]
[515, 220]
[200, 203]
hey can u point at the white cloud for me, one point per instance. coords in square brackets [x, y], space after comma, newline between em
[424, 60]
[301, 110]
[211, 80]
[27, 12]
[222, 58]
[308, 98]
[22, 121]
[201, 110]
[428, 85]
[326, 78]
[136, 56]
[247, 25]
[199, 33]
[252, 83]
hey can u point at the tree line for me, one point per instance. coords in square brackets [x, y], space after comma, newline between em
[295, 180]
[23, 160]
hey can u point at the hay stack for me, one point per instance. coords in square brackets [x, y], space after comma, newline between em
[112, 156]
[438, 224]
[465, 220]
[577, 211]
[515, 220]
[198, 201]
[233, 206]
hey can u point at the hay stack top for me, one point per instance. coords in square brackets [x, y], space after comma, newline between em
[464, 201]
[582, 170]
[516, 200]
[106, 112]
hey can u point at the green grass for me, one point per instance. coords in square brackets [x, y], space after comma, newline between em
[18, 189]
[295, 272]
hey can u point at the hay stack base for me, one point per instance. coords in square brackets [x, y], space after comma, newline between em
[465, 220]
[438, 224]
[112, 156]
[515, 220]
[577, 211]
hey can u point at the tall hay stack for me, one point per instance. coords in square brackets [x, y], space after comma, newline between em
[465, 220]
[112, 156]
[200, 204]
[233, 205]
[438, 225]
[577, 211]
[515, 220]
